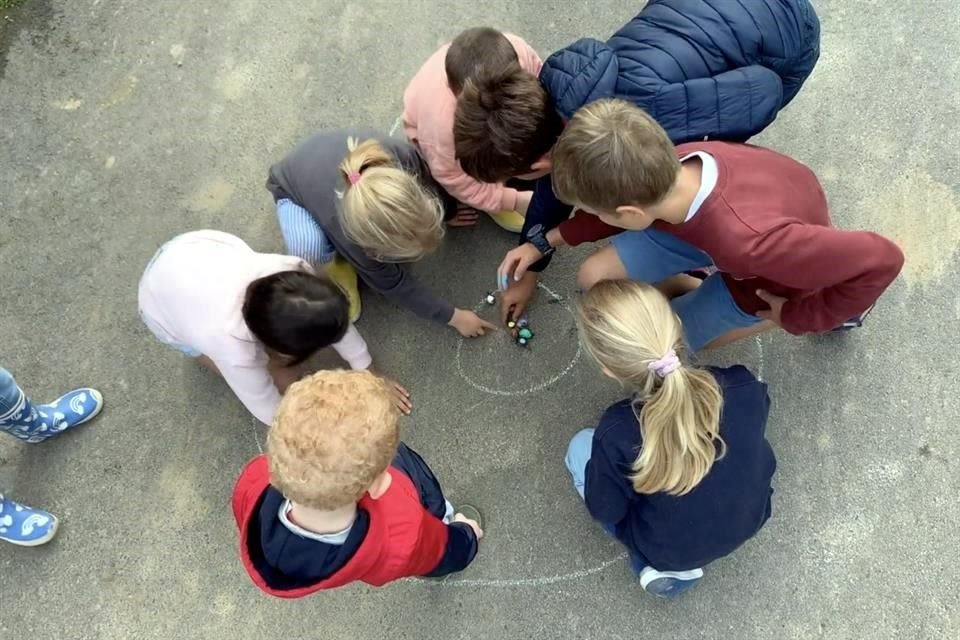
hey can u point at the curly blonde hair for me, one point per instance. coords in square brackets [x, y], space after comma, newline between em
[386, 210]
[333, 434]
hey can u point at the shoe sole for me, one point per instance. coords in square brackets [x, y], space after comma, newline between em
[47, 537]
[683, 581]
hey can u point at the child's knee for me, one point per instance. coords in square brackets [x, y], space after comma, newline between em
[590, 273]
[579, 449]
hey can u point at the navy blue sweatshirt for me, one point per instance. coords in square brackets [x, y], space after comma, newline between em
[290, 561]
[731, 503]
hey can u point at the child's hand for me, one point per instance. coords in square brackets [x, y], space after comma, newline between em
[516, 263]
[776, 307]
[469, 324]
[401, 397]
[514, 300]
[466, 216]
[473, 524]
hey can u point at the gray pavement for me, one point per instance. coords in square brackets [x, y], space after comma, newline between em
[124, 123]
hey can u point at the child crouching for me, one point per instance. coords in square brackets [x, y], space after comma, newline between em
[252, 317]
[338, 499]
[679, 473]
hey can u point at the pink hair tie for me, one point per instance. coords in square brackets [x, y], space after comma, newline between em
[354, 177]
[665, 365]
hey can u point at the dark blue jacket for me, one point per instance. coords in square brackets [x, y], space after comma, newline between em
[718, 69]
[731, 503]
[702, 68]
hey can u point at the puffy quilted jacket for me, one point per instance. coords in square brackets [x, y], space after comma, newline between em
[702, 68]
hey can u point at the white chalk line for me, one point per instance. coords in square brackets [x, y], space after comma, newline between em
[256, 436]
[519, 392]
[396, 125]
[759, 358]
[505, 583]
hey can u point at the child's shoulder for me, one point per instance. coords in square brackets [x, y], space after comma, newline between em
[733, 376]
[618, 416]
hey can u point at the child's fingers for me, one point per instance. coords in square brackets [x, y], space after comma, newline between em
[518, 310]
[520, 270]
[401, 389]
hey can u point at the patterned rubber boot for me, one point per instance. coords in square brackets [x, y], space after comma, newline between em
[36, 423]
[24, 526]
[345, 276]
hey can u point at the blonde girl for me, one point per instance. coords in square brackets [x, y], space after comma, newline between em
[358, 202]
[679, 472]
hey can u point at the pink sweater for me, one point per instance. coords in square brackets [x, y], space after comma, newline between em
[428, 110]
[192, 294]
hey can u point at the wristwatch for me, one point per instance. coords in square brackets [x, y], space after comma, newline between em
[537, 236]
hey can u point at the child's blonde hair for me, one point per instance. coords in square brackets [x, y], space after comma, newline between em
[333, 434]
[631, 331]
[386, 210]
[613, 154]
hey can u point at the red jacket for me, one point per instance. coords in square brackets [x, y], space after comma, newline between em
[403, 539]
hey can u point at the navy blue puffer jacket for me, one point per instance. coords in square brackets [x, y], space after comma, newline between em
[702, 68]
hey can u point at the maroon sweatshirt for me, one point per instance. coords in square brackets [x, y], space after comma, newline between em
[766, 226]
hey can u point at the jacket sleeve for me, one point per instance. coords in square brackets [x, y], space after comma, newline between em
[578, 74]
[353, 349]
[731, 106]
[584, 227]
[394, 282]
[254, 386]
[846, 271]
[460, 551]
[546, 209]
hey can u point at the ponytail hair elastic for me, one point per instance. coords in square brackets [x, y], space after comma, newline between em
[665, 365]
[353, 177]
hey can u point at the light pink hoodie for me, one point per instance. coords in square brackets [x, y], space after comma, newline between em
[428, 110]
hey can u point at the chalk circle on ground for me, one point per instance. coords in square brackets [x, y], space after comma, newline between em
[737, 353]
[495, 365]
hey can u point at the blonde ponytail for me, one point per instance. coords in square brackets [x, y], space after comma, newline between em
[628, 328]
[385, 209]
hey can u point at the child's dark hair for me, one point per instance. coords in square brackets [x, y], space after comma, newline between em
[504, 123]
[295, 313]
[473, 47]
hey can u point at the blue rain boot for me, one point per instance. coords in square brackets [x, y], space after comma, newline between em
[36, 423]
[24, 526]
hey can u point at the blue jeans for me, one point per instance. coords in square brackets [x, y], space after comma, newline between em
[578, 455]
[9, 392]
[708, 311]
[302, 236]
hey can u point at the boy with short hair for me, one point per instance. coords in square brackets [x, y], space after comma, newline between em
[338, 498]
[759, 217]
[430, 100]
[712, 69]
